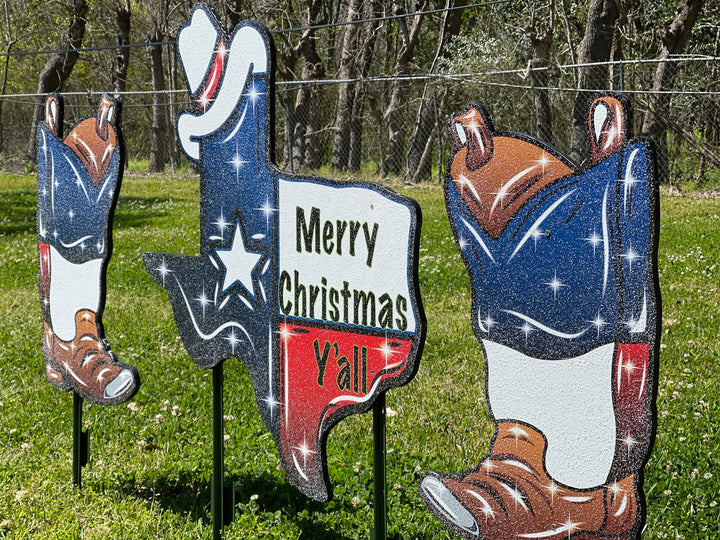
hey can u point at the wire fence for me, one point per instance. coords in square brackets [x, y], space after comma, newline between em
[414, 144]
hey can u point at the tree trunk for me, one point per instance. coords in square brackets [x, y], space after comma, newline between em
[158, 138]
[711, 118]
[10, 38]
[300, 119]
[233, 9]
[122, 16]
[306, 150]
[541, 43]
[308, 110]
[674, 38]
[617, 72]
[58, 68]
[418, 164]
[595, 46]
[346, 91]
[287, 59]
[392, 160]
[2, 91]
[356, 126]
[568, 34]
[541, 100]
[288, 112]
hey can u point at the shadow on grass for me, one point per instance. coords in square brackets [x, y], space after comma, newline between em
[184, 493]
[181, 493]
[133, 212]
[18, 213]
[274, 496]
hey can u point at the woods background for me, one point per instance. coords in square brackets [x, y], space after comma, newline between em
[365, 87]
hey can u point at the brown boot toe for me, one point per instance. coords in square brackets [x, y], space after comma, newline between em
[86, 364]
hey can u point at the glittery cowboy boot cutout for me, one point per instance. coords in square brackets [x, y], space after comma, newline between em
[565, 307]
[77, 179]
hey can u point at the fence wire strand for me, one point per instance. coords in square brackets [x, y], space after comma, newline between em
[305, 136]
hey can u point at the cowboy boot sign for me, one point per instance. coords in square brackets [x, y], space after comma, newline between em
[78, 184]
[312, 283]
[563, 269]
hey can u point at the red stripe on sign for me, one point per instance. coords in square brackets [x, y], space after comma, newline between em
[323, 372]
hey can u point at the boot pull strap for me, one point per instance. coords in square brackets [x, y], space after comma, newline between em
[608, 125]
[107, 116]
[54, 114]
[471, 129]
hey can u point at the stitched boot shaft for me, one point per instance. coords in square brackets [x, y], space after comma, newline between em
[561, 258]
[86, 364]
[78, 180]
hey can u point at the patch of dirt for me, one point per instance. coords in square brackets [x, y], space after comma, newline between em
[674, 191]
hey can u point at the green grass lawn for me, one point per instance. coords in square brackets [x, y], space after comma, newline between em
[151, 459]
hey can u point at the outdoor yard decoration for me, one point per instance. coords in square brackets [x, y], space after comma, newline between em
[566, 304]
[78, 184]
[312, 283]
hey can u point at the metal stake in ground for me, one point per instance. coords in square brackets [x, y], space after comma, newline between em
[379, 531]
[81, 441]
[222, 498]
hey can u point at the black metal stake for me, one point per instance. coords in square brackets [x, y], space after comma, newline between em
[216, 485]
[222, 498]
[81, 441]
[379, 531]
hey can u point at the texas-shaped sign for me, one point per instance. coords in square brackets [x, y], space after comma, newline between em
[311, 282]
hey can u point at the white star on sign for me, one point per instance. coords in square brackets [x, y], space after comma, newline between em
[239, 263]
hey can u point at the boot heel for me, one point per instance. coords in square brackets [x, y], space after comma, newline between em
[56, 378]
